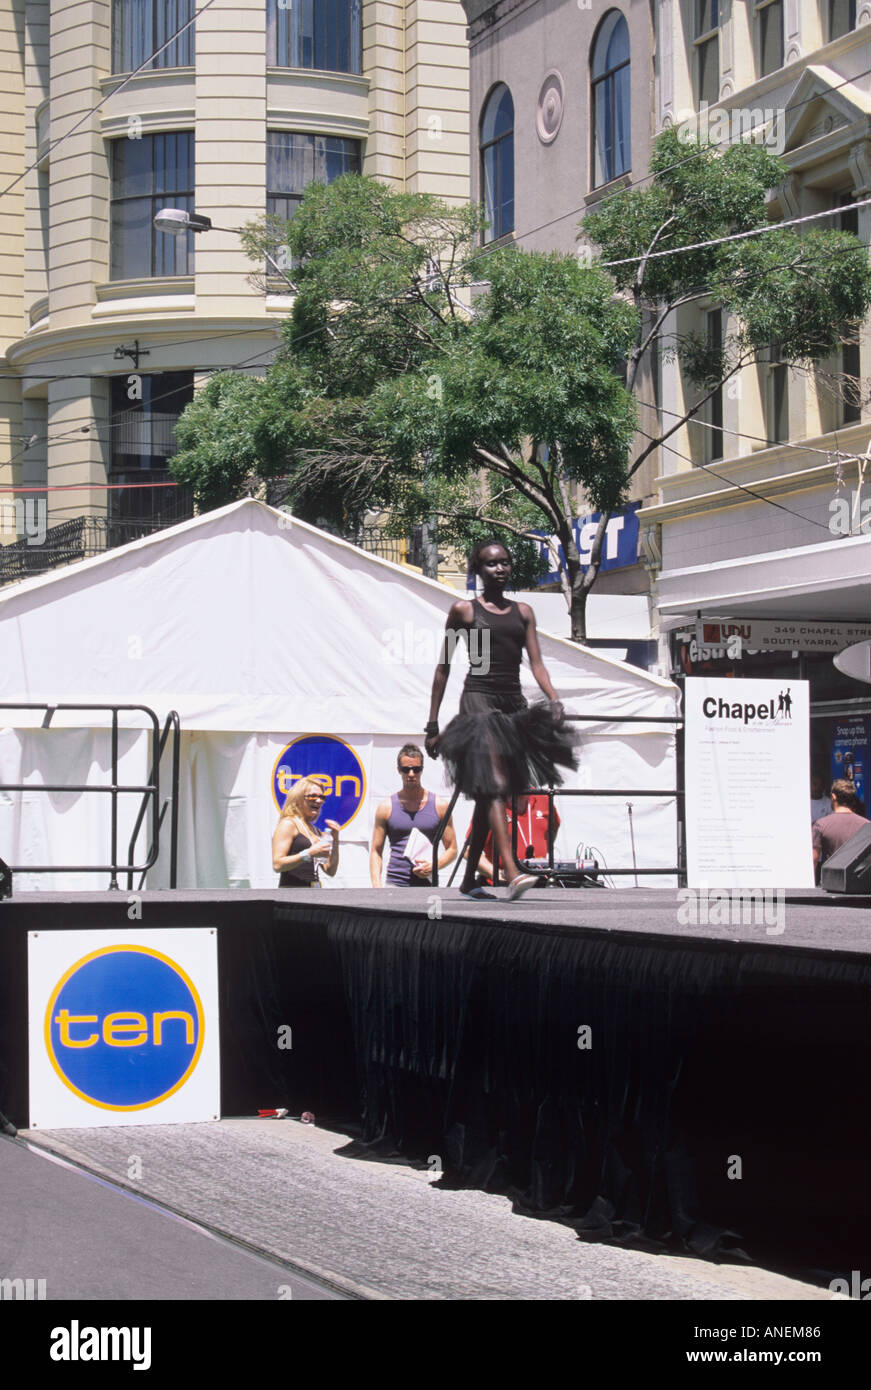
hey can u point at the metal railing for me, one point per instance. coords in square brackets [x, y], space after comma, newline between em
[677, 793]
[150, 793]
[80, 538]
[172, 725]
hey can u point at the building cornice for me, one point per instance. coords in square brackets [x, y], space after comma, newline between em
[696, 491]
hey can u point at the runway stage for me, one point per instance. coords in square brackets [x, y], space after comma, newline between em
[593, 1053]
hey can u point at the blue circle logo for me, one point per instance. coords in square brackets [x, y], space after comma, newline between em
[124, 1028]
[333, 763]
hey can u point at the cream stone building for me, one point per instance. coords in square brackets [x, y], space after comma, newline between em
[747, 520]
[107, 323]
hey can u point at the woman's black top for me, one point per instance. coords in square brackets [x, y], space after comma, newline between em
[496, 642]
[301, 875]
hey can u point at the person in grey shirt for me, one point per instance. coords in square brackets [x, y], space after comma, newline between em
[835, 830]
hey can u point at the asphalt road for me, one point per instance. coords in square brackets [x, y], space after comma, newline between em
[89, 1239]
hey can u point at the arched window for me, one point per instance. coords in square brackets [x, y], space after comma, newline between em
[497, 162]
[609, 71]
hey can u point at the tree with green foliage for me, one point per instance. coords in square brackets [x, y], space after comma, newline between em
[399, 389]
[425, 377]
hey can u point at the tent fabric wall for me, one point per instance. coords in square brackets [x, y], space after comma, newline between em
[257, 629]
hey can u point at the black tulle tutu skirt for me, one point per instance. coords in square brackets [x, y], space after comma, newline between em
[498, 745]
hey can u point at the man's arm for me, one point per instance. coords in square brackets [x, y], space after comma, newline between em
[376, 848]
[449, 839]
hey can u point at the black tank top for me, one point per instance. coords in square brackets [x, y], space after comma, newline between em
[496, 643]
[302, 875]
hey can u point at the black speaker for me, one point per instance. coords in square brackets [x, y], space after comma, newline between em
[849, 868]
[5, 881]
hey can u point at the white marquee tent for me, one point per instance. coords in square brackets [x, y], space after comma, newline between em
[258, 629]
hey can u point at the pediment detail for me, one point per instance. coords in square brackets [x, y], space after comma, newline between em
[820, 103]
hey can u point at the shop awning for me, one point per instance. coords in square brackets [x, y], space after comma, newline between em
[829, 582]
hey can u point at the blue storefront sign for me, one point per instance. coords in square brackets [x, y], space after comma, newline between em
[850, 752]
[620, 547]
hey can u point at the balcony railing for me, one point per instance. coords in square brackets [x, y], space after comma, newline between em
[77, 539]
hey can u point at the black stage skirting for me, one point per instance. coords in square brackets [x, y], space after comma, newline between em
[720, 1108]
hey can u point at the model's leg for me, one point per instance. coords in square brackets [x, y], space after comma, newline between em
[480, 827]
[502, 840]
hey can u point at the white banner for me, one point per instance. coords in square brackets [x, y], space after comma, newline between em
[747, 779]
[123, 1027]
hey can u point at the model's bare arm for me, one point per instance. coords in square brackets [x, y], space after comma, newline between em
[459, 616]
[536, 664]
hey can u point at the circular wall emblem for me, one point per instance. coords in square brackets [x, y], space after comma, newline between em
[334, 764]
[551, 101]
[124, 1028]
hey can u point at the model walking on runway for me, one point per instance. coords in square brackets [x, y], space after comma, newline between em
[498, 745]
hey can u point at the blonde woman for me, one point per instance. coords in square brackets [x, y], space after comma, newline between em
[298, 847]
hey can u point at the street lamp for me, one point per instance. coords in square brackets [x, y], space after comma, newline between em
[177, 222]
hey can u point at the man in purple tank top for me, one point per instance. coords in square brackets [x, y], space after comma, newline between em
[406, 811]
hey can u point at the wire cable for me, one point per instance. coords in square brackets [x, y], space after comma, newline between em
[759, 497]
[53, 144]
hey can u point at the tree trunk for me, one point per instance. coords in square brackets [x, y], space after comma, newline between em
[429, 545]
[577, 591]
[579, 608]
[583, 583]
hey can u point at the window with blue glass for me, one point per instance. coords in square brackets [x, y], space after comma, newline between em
[148, 174]
[323, 34]
[141, 27]
[609, 70]
[497, 162]
[294, 160]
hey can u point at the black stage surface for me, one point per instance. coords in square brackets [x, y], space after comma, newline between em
[698, 1087]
